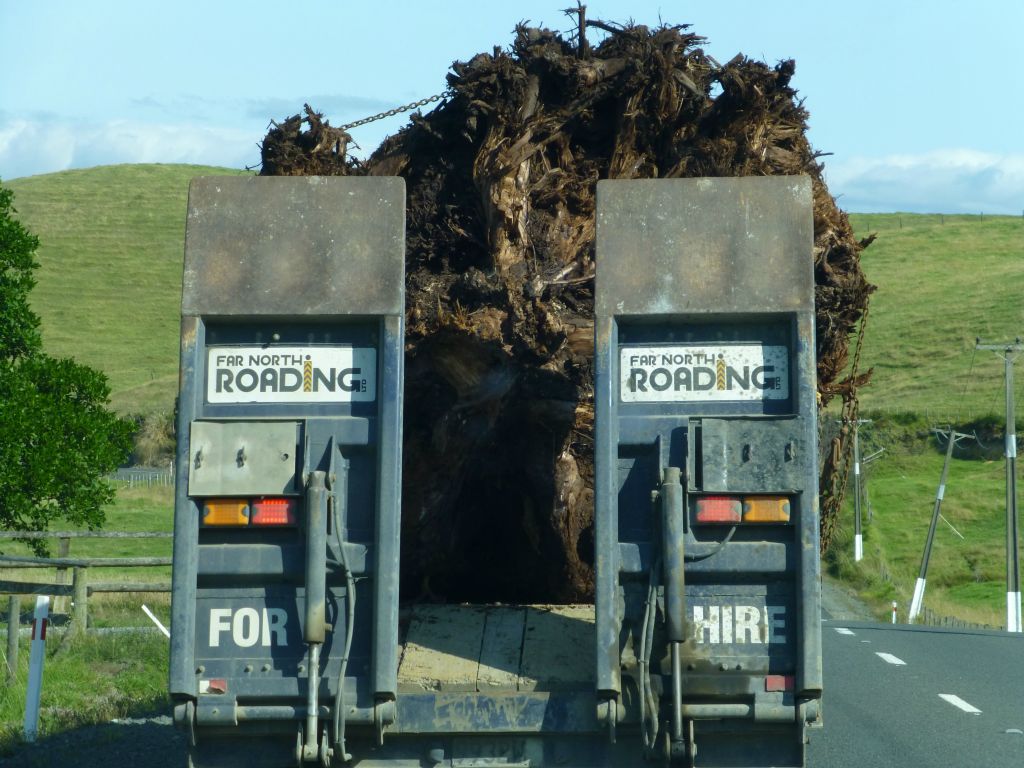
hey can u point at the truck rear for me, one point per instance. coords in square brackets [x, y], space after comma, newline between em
[708, 584]
[289, 645]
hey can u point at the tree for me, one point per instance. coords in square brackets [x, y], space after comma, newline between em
[58, 438]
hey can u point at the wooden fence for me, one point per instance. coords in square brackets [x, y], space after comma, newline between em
[81, 586]
[930, 618]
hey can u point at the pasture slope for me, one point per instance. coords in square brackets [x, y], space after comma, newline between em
[109, 292]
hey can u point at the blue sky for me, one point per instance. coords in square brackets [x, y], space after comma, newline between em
[921, 103]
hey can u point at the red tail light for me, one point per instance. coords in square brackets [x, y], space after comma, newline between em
[273, 511]
[719, 509]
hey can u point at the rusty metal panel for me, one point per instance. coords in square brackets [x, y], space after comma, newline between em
[240, 457]
[264, 246]
[694, 246]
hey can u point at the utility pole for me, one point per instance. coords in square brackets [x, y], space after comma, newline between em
[1009, 352]
[867, 496]
[915, 603]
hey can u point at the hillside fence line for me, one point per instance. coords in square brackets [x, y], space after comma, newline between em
[143, 477]
[80, 588]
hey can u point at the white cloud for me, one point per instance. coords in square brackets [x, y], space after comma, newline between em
[942, 181]
[34, 146]
[29, 147]
[949, 181]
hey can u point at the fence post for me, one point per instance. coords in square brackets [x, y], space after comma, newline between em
[13, 624]
[60, 604]
[80, 588]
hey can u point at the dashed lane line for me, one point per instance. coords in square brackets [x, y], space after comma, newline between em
[888, 657]
[959, 703]
[845, 631]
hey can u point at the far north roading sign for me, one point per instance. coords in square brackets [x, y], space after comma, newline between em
[256, 374]
[703, 373]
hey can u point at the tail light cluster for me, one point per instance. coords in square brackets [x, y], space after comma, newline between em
[241, 512]
[742, 509]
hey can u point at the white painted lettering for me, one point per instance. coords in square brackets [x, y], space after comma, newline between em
[739, 624]
[245, 627]
[220, 621]
[249, 626]
[707, 627]
[747, 626]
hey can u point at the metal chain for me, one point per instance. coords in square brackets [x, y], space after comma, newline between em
[841, 464]
[397, 110]
[860, 343]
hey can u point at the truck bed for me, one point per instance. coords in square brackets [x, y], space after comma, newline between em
[496, 648]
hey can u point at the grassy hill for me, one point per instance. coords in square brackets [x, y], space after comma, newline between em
[942, 281]
[109, 291]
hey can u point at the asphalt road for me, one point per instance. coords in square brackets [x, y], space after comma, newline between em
[884, 705]
[919, 696]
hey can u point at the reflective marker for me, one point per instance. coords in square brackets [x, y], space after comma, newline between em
[35, 667]
[766, 509]
[915, 603]
[225, 512]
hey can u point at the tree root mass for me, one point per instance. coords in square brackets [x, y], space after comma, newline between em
[497, 497]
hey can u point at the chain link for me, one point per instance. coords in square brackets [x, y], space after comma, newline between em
[397, 110]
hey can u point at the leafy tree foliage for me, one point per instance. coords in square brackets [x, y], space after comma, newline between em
[58, 439]
[19, 326]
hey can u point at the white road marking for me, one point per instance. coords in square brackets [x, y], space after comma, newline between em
[844, 631]
[959, 703]
[888, 657]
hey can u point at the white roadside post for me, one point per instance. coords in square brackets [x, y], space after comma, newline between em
[915, 603]
[37, 655]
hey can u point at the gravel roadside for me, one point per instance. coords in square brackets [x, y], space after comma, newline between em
[152, 742]
[839, 602]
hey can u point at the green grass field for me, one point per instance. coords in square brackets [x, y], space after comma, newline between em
[942, 281]
[109, 292]
[966, 576]
[88, 680]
